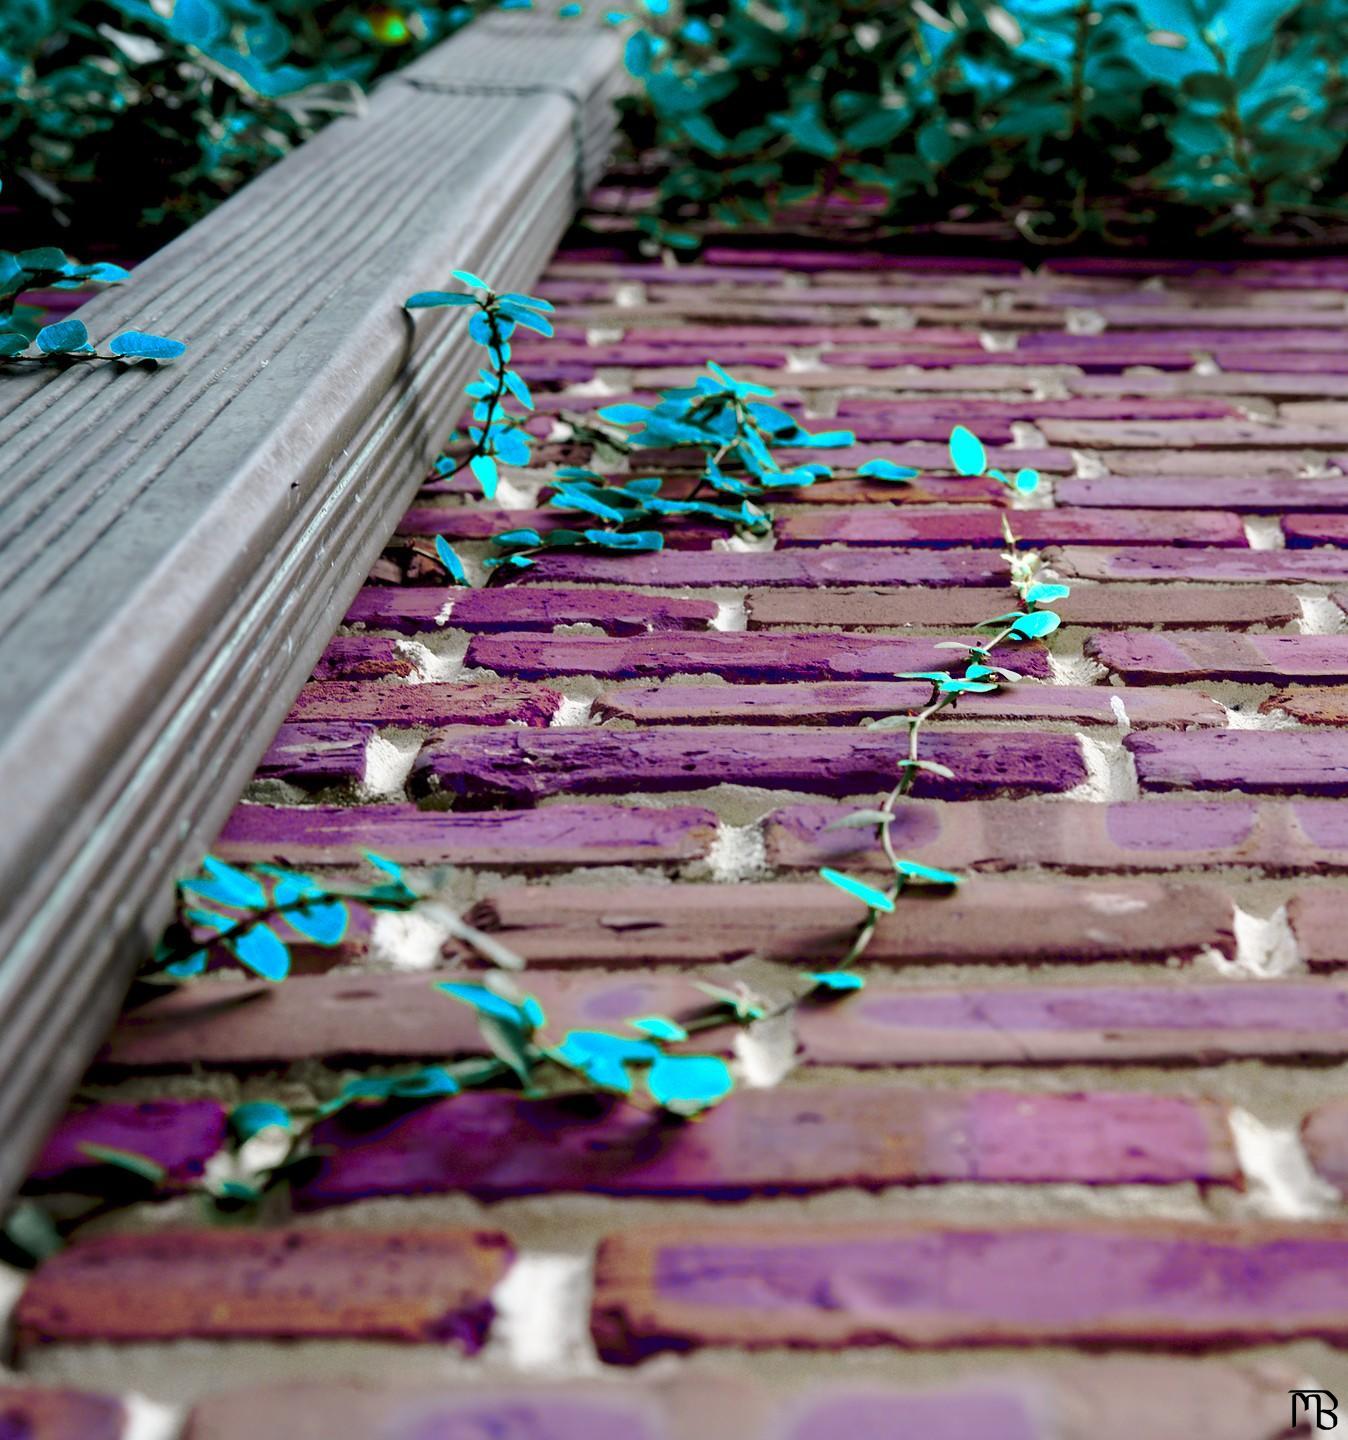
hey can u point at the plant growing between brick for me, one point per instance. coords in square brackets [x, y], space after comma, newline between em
[979, 676]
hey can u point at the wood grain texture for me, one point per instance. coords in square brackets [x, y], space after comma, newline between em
[177, 545]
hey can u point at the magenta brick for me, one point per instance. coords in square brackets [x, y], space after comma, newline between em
[1158, 434]
[316, 754]
[827, 1286]
[1262, 762]
[27, 1413]
[616, 612]
[1031, 527]
[501, 703]
[1204, 566]
[776, 1141]
[551, 836]
[519, 767]
[1304, 531]
[360, 657]
[1316, 917]
[180, 1136]
[1067, 922]
[1129, 835]
[781, 567]
[1099, 606]
[465, 523]
[704, 1407]
[427, 1286]
[842, 703]
[1191, 1024]
[1214, 655]
[975, 413]
[1247, 494]
[734, 656]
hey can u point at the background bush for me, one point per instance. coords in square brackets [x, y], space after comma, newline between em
[1064, 118]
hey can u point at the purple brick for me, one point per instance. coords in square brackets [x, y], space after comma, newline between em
[828, 1286]
[465, 523]
[551, 836]
[616, 612]
[734, 656]
[1149, 659]
[501, 703]
[1032, 528]
[1270, 494]
[180, 1136]
[1305, 531]
[519, 766]
[361, 657]
[1261, 762]
[1093, 1024]
[316, 754]
[30, 1414]
[842, 703]
[1204, 566]
[781, 567]
[776, 1141]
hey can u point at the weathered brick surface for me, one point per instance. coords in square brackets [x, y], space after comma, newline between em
[359, 658]
[317, 754]
[839, 703]
[1126, 835]
[1262, 762]
[732, 656]
[783, 567]
[1032, 528]
[1209, 566]
[1317, 920]
[1250, 495]
[709, 1407]
[1099, 606]
[553, 836]
[996, 920]
[1304, 531]
[830, 1286]
[27, 1413]
[1156, 659]
[431, 1286]
[780, 1141]
[1312, 705]
[181, 1137]
[389, 1017]
[410, 706]
[518, 767]
[617, 612]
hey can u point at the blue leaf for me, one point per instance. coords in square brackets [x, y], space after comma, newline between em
[886, 470]
[519, 389]
[625, 414]
[469, 278]
[391, 868]
[433, 299]
[512, 539]
[1027, 480]
[253, 1115]
[659, 1028]
[836, 981]
[263, 951]
[227, 884]
[138, 345]
[497, 1007]
[689, 1083]
[913, 871]
[324, 922]
[642, 540]
[966, 452]
[479, 327]
[69, 337]
[1046, 594]
[453, 565]
[531, 302]
[603, 1058]
[13, 342]
[529, 319]
[484, 467]
[189, 965]
[1036, 625]
[867, 894]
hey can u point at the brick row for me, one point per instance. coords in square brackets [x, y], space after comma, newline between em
[1157, 833]
[388, 1018]
[410, 610]
[1258, 762]
[1071, 922]
[828, 1286]
[928, 528]
[1210, 655]
[353, 701]
[485, 766]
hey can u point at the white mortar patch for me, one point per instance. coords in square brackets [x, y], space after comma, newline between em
[766, 1051]
[389, 756]
[1320, 616]
[1281, 1183]
[573, 711]
[1265, 946]
[11, 1287]
[1237, 719]
[542, 1315]
[1087, 465]
[410, 940]
[1264, 532]
[438, 658]
[738, 852]
[1075, 670]
[147, 1419]
[731, 615]
[1110, 773]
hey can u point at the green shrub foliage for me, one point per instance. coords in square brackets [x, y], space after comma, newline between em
[1066, 118]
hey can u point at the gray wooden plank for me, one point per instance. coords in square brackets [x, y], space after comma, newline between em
[177, 545]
